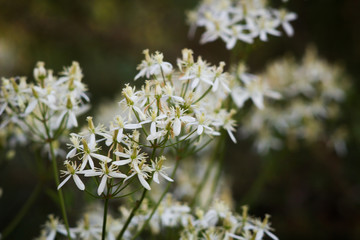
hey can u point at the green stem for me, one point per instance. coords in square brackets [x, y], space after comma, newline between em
[133, 211]
[217, 177]
[120, 187]
[105, 218]
[186, 138]
[137, 205]
[94, 196]
[56, 175]
[207, 171]
[60, 194]
[258, 184]
[127, 194]
[25, 208]
[204, 94]
[159, 201]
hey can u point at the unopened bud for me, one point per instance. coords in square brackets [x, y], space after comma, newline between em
[86, 147]
[14, 84]
[40, 71]
[69, 104]
[90, 123]
[71, 83]
[147, 56]
[36, 95]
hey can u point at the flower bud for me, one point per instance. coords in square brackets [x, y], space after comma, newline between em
[40, 72]
[90, 124]
[69, 104]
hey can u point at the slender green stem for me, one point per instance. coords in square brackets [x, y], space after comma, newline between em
[139, 120]
[186, 88]
[35, 131]
[262, 178]
[25, 208]
[133, 211]
[158, 202]
[216, 179]
[62, 125]
[127, 194]
[189, 135]
[60, 194]
[163, 76]
[105, 218]
[200, 148]
[119, 188]
[94, 196]
[137, 205]
[204, 94]
[56, 176]
[207, 171]
[140, 144]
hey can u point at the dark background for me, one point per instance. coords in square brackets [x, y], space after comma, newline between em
[310, 192]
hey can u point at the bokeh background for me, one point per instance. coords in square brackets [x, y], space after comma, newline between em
[310, 192]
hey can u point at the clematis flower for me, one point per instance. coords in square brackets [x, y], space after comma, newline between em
[71, 171]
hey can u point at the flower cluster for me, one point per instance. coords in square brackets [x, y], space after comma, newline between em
[124, 150]
[173, 109]
[242, 20]
[188, 174]
[45, 108]
[249, 86]
[313, 90]
[216, 222]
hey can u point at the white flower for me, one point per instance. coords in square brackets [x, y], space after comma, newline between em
[54, 226]
[72, 170]
[266, 25]
[157, 121]
[261, 228]
[221, 79]
[105, 172]
[142, 170]
[121, 125]
[238, 20]
[201, 124]
[255, 89]
[88, 151]
[130, 155]
[87, 228]
[285, 17]
[177, 115]
[238, 34]
[216, 27]
[130, 103]
[153, 65]
[158, 169]
[198, 73]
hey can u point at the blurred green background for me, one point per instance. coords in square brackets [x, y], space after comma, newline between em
[311, 193]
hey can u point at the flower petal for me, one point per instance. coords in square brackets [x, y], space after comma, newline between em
[144, 182]
[177, 126]
[78, 182]
[63, 182]
[102, 185]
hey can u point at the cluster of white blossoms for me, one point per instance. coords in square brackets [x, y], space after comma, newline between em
[188, 174]
[122, 149]
[215, 222]
[312, 91]
[177, 111]
[172, 108]
[243, 20]
[249, 86]
[43, 109]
